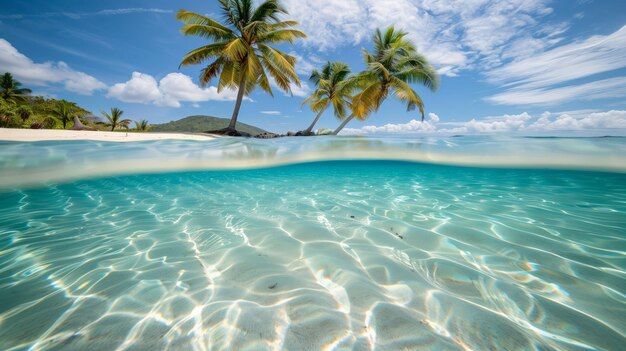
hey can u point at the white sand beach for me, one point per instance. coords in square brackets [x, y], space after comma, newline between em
[57, 134]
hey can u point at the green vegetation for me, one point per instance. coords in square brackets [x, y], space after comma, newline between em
[240, 49]
[115, 119]
[10, 89]
[335, 87]
[18, 109]
[37, 112]
[64, 111]
[142, 125]
[242, 56]
[201, 124]
[390, 68]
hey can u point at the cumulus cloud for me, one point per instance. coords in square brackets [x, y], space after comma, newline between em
[614, 119]
[413, 126]
[300, 91]
[42, 74]
[170, 91]
[451, 33]
[523, 122]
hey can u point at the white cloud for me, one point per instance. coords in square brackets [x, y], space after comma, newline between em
[433, 117]
[305, 65]
[581, 59]
[300, 91]
[413, 126]
[614, 119]
[504, 123]
[141, 88]
[271, 113]
[451, 33]
[524, 122]
[41, 74]
[531, 80]
[601, 89]
[170, 91]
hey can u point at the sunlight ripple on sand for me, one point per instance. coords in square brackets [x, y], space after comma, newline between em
[380, 255]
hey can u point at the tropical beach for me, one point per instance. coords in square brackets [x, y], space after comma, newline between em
[312, 175]
[51, 134]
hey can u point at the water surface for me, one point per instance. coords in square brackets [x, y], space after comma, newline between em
[350, 255]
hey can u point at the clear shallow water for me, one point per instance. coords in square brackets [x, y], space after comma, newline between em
[324, 255]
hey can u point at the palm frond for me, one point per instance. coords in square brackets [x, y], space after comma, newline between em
[268, 10]
[212, 70]
[203, 53]
[264, 83]
[404, 93]
[283, 62]
[236, 50]
[207, 32]
[281, 35]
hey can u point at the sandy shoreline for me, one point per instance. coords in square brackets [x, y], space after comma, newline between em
[9, 134]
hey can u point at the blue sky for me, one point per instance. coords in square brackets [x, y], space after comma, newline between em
[506, 65]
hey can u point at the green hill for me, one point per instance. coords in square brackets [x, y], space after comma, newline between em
[200, 124]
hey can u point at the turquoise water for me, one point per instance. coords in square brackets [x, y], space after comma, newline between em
[484, 244]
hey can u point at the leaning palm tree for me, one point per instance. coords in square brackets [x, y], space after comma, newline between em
[142, 125]
[10, 89]
[115, 120]
[334, 86]
[392, 66]
[240, 52]
[64, 111]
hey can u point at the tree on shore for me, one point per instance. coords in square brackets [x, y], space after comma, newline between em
[142, 125]
[391, 67]
[24, 112]
[241, 52]
[115, 118]
[10, 89]
[64, 111]
[334, 87]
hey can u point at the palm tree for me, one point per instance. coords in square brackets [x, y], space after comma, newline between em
[64, 111]
[125, 123]
[24, 111]
[240, 50]
[115, 118]
[10, 88]
[7, 115]
[142, 125]
[392, 66]
[334, 86]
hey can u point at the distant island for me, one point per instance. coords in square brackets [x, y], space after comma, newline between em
[201, 124]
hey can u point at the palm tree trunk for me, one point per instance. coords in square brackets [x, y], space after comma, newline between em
[240, 93]
[308, 130]
[343, 124]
